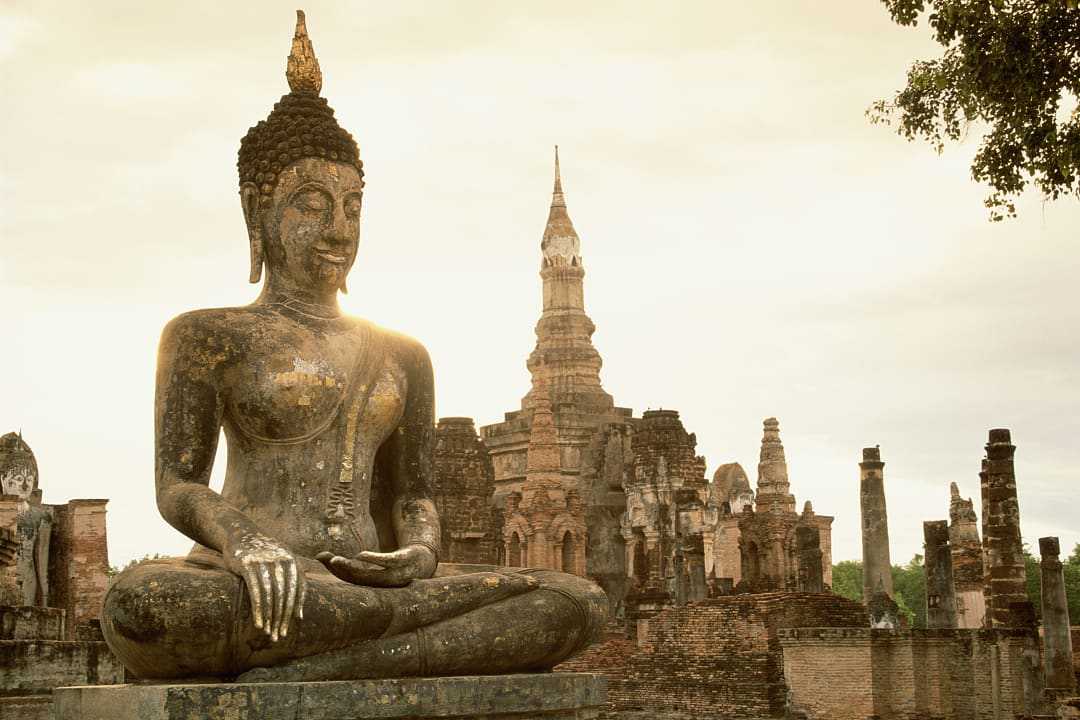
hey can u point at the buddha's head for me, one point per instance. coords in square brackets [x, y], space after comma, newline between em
[18, 467]
[301, 183]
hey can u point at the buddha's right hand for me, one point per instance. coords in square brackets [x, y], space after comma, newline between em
[274, 580]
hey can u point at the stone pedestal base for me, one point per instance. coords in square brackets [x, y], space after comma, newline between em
[562, 696]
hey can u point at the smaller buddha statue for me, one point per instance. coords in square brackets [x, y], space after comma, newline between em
[24, 544]
[319, 558]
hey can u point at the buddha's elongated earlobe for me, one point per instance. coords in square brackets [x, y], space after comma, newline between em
[249, 198]
[256, 260]
[344, 288]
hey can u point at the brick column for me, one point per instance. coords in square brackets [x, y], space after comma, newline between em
[1057, 639]
[877, 568]
[1004, 576]
[940, 596]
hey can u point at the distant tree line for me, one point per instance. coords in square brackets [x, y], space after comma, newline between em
[909, 585]
[115, 570]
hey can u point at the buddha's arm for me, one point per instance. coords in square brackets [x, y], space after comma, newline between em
[187, 415]
[416, 522]
[409, 450]
[188, 411]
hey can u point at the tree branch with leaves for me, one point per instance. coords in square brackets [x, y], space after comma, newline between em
[1009, 66]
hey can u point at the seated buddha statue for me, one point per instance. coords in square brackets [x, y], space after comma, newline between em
[319, 558]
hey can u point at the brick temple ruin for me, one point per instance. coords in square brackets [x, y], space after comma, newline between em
[573, 482]
[720, 592]
[53, 575]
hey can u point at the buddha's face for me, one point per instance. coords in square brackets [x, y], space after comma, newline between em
[17, 479]
[310, 226]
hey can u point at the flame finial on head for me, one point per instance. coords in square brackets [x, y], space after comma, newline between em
[303, 71]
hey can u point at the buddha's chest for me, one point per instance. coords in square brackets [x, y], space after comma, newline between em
[302, 386]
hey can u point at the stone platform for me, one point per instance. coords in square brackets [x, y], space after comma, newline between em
[559, 696]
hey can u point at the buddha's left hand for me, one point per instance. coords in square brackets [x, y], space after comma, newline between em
[393, 569]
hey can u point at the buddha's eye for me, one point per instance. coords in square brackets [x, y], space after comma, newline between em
[352, 207]
[311, 201]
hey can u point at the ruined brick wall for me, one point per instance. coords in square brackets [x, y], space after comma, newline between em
[715, 658]
[829, 671]
[462, 489]
[79, 561]
[960, 674]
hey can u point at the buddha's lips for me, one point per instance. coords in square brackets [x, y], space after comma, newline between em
[332, 257]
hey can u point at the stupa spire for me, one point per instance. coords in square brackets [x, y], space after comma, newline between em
[565, 366]
[561, 245]
[557, 198]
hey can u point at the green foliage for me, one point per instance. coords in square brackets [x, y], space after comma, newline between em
[847, 579]
[113, 570]
[909, 591]
[909, 584]
[1008, 65]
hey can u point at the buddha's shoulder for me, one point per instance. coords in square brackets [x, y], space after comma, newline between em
[405, 349]
[226, 327]
[216, 320]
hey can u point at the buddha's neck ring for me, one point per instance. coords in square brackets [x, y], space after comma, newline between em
[313, 310]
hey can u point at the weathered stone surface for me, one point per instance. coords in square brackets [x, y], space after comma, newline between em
[30, 707]
[558, 695]
[34, 667]
[26, 622]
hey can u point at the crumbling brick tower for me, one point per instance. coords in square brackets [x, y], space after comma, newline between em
[462, 489]
[1004, 575]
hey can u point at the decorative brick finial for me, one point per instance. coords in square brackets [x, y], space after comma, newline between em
[303, 71]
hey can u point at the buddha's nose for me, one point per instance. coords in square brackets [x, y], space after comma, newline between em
[338, 231]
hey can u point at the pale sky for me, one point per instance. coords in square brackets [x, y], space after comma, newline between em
[753, 246]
